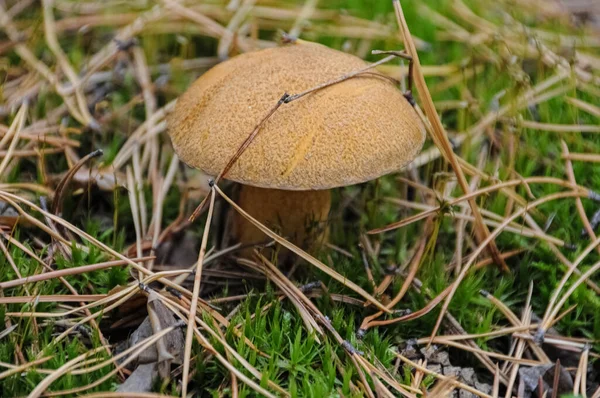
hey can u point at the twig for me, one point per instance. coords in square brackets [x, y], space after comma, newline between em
[65, 272]
[191, 324]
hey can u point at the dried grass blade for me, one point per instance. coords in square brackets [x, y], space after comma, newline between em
[64, 182]
[440, 136]
[18, 127]
[191, 324]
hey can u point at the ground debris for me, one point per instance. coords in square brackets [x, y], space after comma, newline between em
[8, 215]
[156, 360]
[529, 381]
[141, 380]
[438, 361]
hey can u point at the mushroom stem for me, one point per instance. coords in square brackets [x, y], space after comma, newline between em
[299, 216]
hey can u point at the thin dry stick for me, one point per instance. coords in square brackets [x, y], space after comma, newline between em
[158, 204]
[560, 128]
[135, 212]
[413, 315]
[514, 227]
[120, 395]
[305, 14]
[191, 324]
[52, 41]
[138, 190]
[520, 349]
[229, 33]
[54, 298]
[586, 106]
[580, 209]
[582, 157]
[25, 367]
[143, 77]
[18, 127]
[24, 153]
[65, 272]
[341, 79]
[488, 335]
[102, 301]
[440, 136]
[579, 385]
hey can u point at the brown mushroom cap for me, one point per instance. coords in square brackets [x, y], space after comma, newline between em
[345, 134]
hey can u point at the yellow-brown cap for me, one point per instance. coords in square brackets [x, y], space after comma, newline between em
[345, 134]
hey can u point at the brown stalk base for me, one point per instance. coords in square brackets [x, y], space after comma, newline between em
[298, 216]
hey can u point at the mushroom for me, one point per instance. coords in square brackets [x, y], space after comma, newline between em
[348, 133]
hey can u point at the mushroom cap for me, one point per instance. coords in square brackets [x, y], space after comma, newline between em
[344, 134]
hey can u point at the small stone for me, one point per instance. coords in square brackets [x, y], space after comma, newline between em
[434, 367]
[452, 371]
[410, 350]
[466, 394]
[428, 352]
[434, 355]
[483, 387]
[467, 376]
[7, 211]
[444, 358]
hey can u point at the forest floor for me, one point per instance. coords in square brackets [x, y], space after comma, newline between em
[412, 296]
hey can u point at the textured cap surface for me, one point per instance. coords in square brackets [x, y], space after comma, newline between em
[345, 134]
